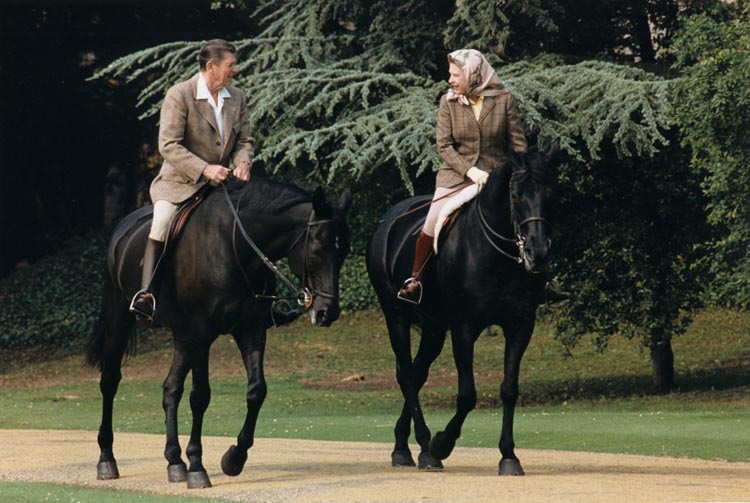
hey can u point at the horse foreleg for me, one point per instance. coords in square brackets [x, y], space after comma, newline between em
[516, 341]
[252, 347]
[463, 338]
[173, 388]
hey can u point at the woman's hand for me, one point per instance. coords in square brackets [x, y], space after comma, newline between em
[477, 176]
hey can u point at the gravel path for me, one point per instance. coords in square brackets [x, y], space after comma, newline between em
[328, 472]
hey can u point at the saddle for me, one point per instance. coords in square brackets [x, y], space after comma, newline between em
[129, 235]
[183, 213]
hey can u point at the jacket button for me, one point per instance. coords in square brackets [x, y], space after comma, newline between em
[218, 143]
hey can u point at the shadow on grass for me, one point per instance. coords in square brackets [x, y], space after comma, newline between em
[722, 383]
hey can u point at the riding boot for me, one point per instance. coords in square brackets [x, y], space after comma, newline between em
[143, 304]
[411, 291]
[552, 294]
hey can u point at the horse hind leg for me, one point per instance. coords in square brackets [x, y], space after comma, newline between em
[113, 332]
[172, 391]
[430, 346]
[189, 352]
[463, 339]
[406, 374]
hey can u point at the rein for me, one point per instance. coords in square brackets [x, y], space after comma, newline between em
[304, 296]
[490, 234]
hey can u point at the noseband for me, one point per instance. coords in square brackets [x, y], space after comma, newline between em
[304, 296]
[491, 235]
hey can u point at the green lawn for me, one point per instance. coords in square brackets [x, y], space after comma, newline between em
[588, 400]
[38, 493]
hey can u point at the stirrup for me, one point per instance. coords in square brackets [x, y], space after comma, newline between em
[140, 314]
[409, 299]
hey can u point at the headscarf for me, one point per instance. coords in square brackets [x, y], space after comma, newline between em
[482, 79]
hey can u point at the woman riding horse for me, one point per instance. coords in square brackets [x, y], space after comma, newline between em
[477, 117]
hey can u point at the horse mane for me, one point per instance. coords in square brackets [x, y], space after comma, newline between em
[269, 195]
[532, 166]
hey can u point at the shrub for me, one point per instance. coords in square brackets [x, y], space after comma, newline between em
[56, 299]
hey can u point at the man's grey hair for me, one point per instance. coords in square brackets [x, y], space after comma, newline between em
[214, 50]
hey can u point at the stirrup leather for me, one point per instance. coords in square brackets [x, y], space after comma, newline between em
[407, 299]
[139, 313]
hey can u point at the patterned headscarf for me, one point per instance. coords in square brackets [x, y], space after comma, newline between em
[482, 79]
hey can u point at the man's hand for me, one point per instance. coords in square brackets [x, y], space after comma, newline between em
[477, 176]
[215, 173]
[242, 171]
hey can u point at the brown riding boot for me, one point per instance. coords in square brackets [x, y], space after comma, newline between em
[411, 291]
[143, 304]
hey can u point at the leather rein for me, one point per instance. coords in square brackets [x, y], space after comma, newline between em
[303, 295]
[491, 235]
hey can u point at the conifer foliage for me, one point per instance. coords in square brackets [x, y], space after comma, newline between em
[345, 93]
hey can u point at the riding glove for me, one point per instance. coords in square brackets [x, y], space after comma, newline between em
[477, 176]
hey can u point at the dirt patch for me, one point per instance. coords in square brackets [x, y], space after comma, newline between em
[386, 380]
[303, 471]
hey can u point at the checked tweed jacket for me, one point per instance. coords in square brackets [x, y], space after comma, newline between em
[189, 139]
[463, 141]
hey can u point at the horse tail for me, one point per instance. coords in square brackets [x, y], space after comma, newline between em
[111, 325]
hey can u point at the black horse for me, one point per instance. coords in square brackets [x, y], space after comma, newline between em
[214, 283]
[489, 270]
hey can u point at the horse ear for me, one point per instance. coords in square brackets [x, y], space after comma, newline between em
[345, 200]
[554, 153]
[319, 200]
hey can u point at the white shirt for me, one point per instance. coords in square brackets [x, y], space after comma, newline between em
[204, 94]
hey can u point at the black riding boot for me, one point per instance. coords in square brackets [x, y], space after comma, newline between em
[411, 291]
[143, 304]
[552, 294]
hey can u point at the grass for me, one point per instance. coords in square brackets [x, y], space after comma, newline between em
[38, 493]
[339, 384]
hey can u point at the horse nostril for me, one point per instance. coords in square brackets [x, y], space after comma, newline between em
[322, 316]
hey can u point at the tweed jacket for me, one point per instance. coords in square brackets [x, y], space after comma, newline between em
[189, 139]
[464, 142]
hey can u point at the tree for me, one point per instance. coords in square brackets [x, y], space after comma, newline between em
[345, 92]
[712, 107]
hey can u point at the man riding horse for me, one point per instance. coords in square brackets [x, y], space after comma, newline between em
[203, 126]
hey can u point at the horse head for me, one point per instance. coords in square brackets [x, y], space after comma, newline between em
[319, 256]
[528, 195]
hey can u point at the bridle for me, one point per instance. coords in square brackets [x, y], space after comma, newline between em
[491, 235]
[304, 295]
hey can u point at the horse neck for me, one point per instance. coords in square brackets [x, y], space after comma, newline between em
[275, 233]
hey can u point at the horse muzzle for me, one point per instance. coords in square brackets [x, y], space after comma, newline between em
[323, 312]
[534, 255]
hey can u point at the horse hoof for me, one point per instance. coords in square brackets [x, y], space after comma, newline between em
[402, 458]
[233, 461]
[510, 467]
[198, 480]
[107, 470]
[441, 446]
[177, 473]
[429, 463]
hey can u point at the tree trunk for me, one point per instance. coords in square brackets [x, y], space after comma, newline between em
[662, 359]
